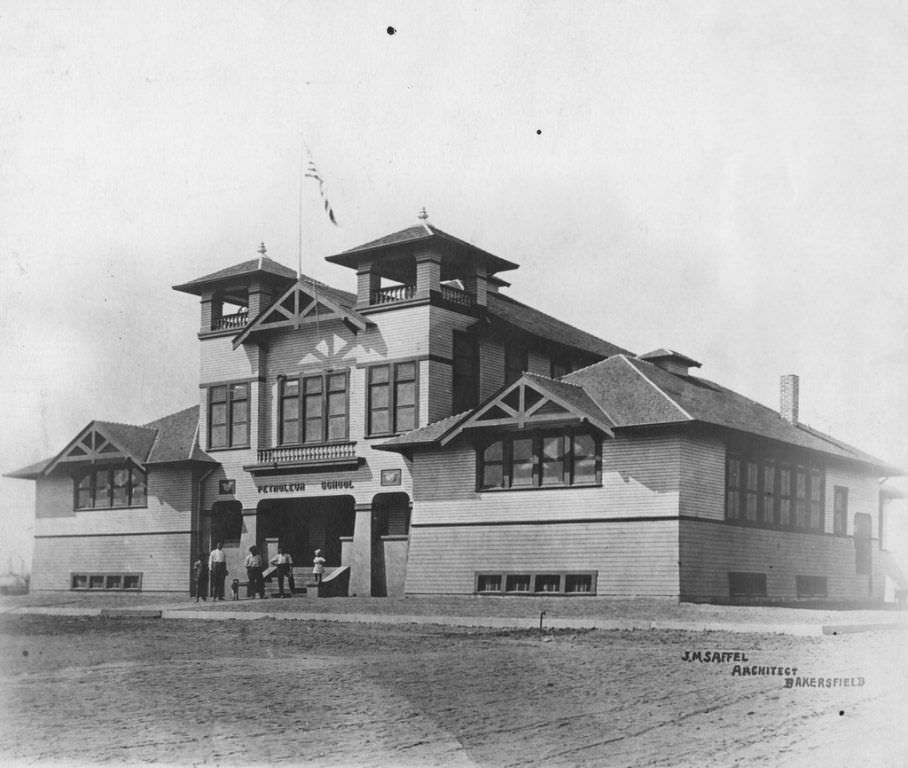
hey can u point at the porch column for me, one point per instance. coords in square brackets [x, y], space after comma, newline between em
[361, 560]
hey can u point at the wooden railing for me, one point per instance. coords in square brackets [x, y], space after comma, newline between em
[456, 296]
[308, 454]
[225, 322]
[392, 294]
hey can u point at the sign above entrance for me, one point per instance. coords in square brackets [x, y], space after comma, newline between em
[324, 485]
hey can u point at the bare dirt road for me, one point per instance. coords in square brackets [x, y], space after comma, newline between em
[126, 691]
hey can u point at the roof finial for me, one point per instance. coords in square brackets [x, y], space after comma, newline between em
[262, 249]
[422, 213]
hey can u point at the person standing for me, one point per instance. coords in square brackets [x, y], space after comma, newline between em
[200, 574]
[217, 565]
[284, 563]
[318, 566]
[255, 583]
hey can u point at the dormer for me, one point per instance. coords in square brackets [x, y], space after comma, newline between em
[234, 296]
[422, 264]
[671, 361]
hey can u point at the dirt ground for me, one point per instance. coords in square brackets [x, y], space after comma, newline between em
[125, 691]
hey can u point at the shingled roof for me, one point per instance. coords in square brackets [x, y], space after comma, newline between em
[260, 265]
[172, 438]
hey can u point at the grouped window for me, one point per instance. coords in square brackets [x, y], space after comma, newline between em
[123, 485]
[392, 398]
[811, 586]
[228, 416]
[539, 461]
[314, 409]
[771, 493]
[547, 583]
[106, 581]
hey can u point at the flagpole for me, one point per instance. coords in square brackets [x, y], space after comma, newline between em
[299, 244]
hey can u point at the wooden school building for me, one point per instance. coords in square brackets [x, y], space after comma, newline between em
[432, 435]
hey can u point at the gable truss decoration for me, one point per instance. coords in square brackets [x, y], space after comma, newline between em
[300, 305]
[91, 445]
[527, 403]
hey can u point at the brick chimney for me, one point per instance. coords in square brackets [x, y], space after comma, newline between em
[788, 408]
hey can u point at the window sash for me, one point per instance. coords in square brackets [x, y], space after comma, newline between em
[111, 487]
[541, 460]
[228, 416]
[313, 409]
[393, 398]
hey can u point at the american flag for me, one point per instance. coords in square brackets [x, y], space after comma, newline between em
[312, 173]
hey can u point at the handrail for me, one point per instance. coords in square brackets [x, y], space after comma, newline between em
[305, 454]
[236, 320]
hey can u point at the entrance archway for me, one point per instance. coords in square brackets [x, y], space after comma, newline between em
[302, 525]
[390, 542]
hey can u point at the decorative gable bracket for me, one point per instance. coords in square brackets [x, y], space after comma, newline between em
[302, 304]
[90, 446]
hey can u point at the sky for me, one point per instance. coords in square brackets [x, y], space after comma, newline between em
[726, 179]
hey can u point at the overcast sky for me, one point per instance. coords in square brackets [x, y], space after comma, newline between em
[727, 179]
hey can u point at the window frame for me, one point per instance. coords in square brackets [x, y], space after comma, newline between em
[231, 404]
[532, 580]
[568, 461]
[393, 407]
[91, 475]
[105, 578]
[301, 397]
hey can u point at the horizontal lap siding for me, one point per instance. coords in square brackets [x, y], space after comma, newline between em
[221, 362]
[641, 476]
[163, 560]
[491, 367]
[702, 477]
[863, 496]
[631, 558]
[710, 550]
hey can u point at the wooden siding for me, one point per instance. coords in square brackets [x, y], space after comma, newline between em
[702, 477]
[163, 560]
[221, 362]
[539, 362]
[633, 558]
[709, 551]
[863, 496]
[491, 367]
[438, 389]
[639, 479]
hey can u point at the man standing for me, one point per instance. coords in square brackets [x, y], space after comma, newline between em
[255, 584]
[283, 561]
[217, 565]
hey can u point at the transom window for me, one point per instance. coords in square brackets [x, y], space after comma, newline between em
[392, 398]
[771, 493]
[228, 416]
[313, 409]
[111, 486]
[539, 461]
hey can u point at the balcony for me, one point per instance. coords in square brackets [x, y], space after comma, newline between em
[237, 321]
[288, 457]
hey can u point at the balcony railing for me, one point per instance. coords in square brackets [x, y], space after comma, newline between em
[325, 453]
[392, 294]
[226, 322]
[456, 295]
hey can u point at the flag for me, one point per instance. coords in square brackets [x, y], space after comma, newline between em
[312, 173]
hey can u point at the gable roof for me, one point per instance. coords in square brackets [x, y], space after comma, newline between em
[172, 438]
[261, 265]
[635, 393]
[524, 318]
[310, 301]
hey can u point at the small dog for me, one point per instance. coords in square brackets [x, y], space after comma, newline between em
[235, 588]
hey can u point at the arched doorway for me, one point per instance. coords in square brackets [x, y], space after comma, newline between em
[390, 543]
[302, 525]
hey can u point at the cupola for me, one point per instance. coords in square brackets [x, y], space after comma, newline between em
[671, 361]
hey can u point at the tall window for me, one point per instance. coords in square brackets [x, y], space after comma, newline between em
[465, 379]
[228, 416]
[539, 460]
[392, 398]
[313, 409]
[105, 487]
[763, 491]
[839, 510]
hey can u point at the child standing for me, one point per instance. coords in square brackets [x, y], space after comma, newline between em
[318, 566]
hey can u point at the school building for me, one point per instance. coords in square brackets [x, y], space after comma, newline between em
[433, 435]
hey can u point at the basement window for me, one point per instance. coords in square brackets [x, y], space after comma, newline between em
[811, 586]
[747, 584]
[112, 582]
[535, 583]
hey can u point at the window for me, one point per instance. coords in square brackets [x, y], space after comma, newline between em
[747, 584]
[839, 510]
[762, 491]
[228, 416]
[465, 378]
[811, 586]
[392, 398]
[106, 487]
[540, 460]
[106, 581]
[549, 583]
[313, 409]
